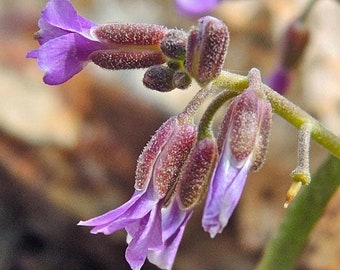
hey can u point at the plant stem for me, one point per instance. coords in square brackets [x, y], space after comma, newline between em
[287, 245]
[204, 130]
[286, 109]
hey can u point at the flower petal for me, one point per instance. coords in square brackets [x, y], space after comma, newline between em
[173, 225]
[145, 234]
[223, 195]
[61, 14]
[47, 32]
[63, 57]
[136, 208]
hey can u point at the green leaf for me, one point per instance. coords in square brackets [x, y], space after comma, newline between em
[289, 241]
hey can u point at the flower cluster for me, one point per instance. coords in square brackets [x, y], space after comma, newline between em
[183, 163]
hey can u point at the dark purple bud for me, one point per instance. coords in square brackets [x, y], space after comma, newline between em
[174, 43]
[197, 173]
[159, 78]
[119, 59]
[139, 34]
[294, 43]
[151, 151]
[181, 80]
[206, 49]
[170, 162]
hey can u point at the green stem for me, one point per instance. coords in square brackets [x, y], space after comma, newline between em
[205, 125]
[286, 109]
[288, 243]
[190, 110]
[307, 10]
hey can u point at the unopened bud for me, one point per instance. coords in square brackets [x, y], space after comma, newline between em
[295, 41]
[174, 43]
[181, 80]
[139, 34]
[159, 78]
[246, 125]
[170, 162]
[117, 59]
[206, 49]
[151, 151]
[262, 139]
[197, 172]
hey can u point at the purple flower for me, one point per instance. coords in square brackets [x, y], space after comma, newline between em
[196, 7]
[293, 44]
[152, 217]
[242, 144]
[66, 42]
[69, 41]
[279, 80]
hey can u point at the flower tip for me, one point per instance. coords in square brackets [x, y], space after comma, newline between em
[206, 49]
[292, 192]
[212, 229]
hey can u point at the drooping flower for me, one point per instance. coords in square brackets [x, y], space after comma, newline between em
[69, 41]
[152, 218]
[242, 144]
[196, 7]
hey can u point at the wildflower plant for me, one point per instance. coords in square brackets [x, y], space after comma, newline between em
[184, 163]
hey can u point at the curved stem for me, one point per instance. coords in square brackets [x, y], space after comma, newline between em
[190, 110]
[286, 109]
[204, 129]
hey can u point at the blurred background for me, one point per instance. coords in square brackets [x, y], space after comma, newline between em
[68, 152]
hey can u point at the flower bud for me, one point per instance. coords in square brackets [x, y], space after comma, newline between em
[139, 34]
[174, 43]
[206, 49]
[246, 126]
[159, 78]
[151, 151]
[170, 162]
[262, 141]
[117, 59]
[295, 41]
[197, 172]
[181, 80]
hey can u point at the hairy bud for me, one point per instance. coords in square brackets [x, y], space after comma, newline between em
[206, 49]
[246, 126]
[139, 34]
[197, 172]
[174, 43]
[262, 141]
[116, 59]
[159, 78]
[170, 162]
[181, 80]
[151, 151]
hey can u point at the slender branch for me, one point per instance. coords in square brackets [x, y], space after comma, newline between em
[190, 110]
[205, 124]
[286, 109]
